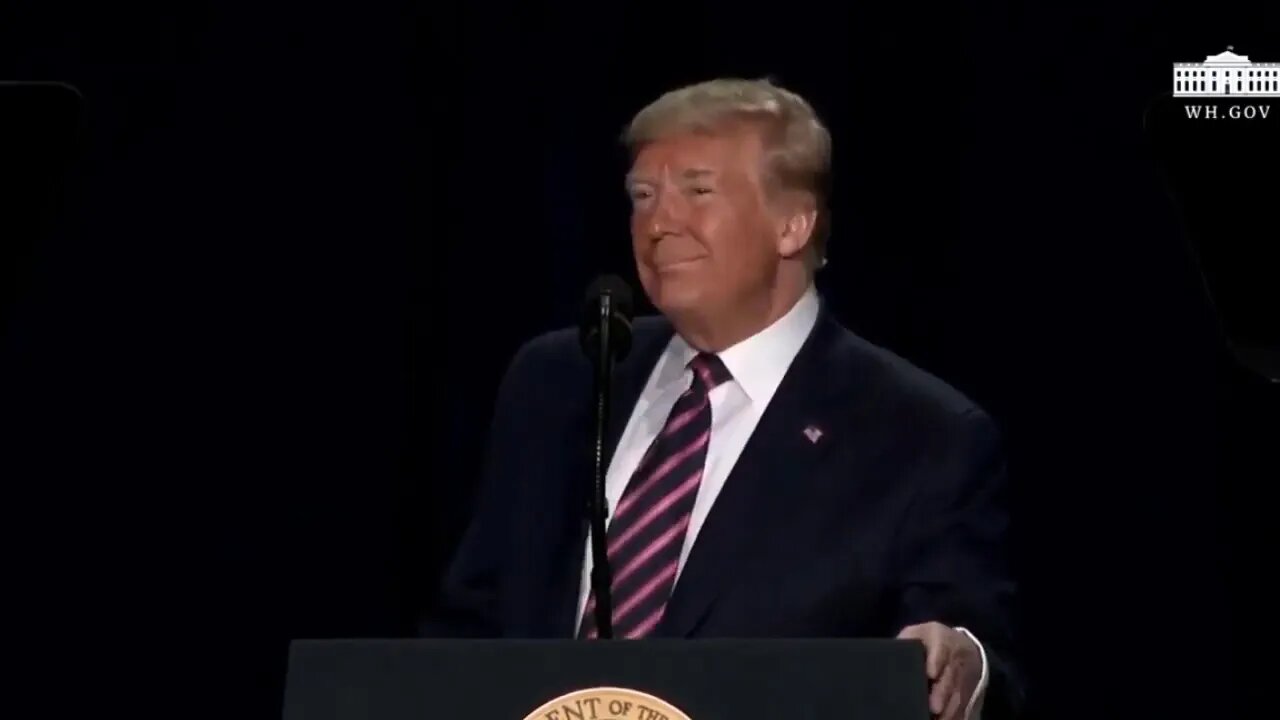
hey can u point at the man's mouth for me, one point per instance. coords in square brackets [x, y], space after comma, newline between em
[677, 263]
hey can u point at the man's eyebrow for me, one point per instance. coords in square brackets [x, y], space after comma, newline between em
[689, 174]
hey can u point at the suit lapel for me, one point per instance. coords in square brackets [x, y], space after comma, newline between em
[770, 476]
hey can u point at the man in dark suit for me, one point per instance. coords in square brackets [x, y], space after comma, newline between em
[772, 474]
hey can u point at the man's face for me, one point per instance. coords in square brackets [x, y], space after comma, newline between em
[703, 234]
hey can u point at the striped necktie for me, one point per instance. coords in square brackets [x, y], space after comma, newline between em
[647, 532]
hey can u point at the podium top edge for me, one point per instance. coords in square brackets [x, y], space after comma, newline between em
[391, 641]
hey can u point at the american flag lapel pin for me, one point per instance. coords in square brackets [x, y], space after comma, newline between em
[814, 433]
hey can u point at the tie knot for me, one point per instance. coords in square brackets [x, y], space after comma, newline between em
[709, 370]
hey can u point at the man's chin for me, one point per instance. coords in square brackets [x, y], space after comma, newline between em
[672, 296]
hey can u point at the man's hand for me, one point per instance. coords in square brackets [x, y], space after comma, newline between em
[953, 664]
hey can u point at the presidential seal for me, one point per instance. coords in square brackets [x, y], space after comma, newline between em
[606, 703]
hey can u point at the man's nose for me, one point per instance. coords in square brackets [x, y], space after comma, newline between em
[666, 216]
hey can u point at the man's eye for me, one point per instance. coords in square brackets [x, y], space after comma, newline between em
[640, 194]
[701, 191]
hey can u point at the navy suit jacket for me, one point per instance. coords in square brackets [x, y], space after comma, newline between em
[896, 516]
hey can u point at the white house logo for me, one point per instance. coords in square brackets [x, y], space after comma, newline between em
[1227, 75]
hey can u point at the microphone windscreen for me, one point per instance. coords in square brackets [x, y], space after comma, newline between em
[614, 286]
[619, 321]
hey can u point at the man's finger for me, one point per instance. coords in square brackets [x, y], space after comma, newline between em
[912, 632]
[936, 652]
[919, 632]
[939, 654]
[942, 690]
[955, 707]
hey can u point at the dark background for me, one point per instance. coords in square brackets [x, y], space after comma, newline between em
[246, 387]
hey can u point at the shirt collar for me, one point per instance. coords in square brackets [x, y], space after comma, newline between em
[757, 363]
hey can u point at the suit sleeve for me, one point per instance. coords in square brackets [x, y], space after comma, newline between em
[956, 548]
[466, 604]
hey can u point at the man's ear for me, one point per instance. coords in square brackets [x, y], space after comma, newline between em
[796, 229]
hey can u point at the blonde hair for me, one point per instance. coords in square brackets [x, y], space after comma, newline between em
[797, 144]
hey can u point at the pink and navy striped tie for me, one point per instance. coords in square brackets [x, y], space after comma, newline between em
[647, 532]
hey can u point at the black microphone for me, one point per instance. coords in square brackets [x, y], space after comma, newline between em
[605, 334]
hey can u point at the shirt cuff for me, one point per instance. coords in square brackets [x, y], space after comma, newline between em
[975, 703]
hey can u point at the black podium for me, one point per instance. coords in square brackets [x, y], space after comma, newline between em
[596, 680]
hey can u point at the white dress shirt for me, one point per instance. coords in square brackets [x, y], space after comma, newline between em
[757, 366]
